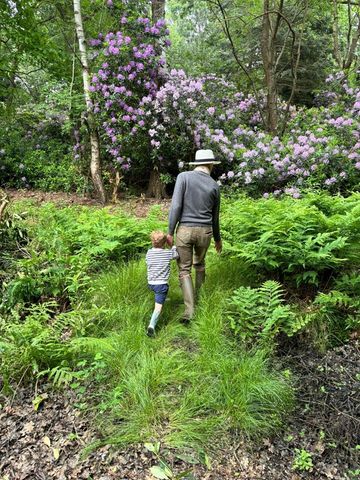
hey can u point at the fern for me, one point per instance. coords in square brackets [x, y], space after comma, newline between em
[299, 323]
[60, 375]
[336, 300]
[271, 296]
[261, 313]
[301, 241]
[93, 345]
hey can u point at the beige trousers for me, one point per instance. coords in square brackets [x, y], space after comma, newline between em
[192, 243]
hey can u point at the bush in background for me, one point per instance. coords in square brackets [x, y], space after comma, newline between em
[298, 242]
[36, 145]
[66, 245]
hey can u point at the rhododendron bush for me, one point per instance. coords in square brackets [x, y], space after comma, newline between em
[150, 115]
[127, 81]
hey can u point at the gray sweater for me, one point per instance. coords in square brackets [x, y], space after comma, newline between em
[196, 202]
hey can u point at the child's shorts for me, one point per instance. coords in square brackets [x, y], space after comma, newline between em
[160, 292]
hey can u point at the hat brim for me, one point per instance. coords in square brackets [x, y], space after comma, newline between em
[205, 162]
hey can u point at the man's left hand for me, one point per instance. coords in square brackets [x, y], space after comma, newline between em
[170, 240]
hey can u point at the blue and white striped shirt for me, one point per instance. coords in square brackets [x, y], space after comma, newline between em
[158, 264]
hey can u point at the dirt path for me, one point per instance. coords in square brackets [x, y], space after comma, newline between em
[138, 206]
[47, 443]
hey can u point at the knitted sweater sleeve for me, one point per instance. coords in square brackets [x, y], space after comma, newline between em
[215, 218]
[176, 204]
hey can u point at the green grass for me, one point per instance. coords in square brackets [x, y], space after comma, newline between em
[184, 388]
[188, 385]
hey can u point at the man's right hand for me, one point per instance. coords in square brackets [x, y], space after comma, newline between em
[170, 240]
[218, 246]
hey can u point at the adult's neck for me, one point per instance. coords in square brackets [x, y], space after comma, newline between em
[203, 168]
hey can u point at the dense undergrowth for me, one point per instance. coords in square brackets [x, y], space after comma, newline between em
[75, 304]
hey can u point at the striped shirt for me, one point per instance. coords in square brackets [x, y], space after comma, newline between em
[158, 264]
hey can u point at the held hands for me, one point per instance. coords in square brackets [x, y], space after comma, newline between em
[170, 240]
[218, 246]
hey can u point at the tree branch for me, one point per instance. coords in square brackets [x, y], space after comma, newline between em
[280, 14]
[348, 36]
[226, 29]
[294, 72]
[345, 2]
[278, 20]
[336, 49]
[351, 53]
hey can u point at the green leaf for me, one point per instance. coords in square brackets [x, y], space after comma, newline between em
[166, 468]
[159, 473]
[187, 475]
[37, 402]
[153, 447]
[188, 458]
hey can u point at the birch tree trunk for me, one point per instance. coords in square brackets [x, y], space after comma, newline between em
[95, 164]
[155, 186]
[268, 37]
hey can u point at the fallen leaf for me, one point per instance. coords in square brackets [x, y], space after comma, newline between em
[187, 458]
[38, 401]
[47, 441]
[56, 453]
[28, 427]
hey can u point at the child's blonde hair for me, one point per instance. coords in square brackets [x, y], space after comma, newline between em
[158, 239]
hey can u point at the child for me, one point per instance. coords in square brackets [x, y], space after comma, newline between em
[158, 272]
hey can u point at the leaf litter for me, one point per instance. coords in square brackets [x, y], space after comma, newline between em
[48, 443]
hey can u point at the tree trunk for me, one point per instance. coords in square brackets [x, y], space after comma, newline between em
[352, 48]
[295, 67]
[157, 10]
[336, 45]
[4, 201]
[95, 164]
[155, 187]
[268, 37]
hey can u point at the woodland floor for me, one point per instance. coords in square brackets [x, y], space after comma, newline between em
[138, 206]
[49, 443]
[327, 402]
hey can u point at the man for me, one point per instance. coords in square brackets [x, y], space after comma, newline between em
[195, 209]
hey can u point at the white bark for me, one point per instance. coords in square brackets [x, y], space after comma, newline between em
[95, 164]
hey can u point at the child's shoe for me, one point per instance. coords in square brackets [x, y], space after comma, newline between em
[150, 331]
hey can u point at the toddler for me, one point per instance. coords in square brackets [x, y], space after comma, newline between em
[158, 272]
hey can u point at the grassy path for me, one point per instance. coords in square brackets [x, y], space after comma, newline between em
[189, 383]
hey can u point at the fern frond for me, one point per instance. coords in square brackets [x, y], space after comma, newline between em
[271, 296]
[93, 345]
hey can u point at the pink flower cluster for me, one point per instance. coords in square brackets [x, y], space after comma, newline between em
[129, 74]
[147, 113]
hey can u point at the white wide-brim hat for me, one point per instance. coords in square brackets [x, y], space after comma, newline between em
[204, 157]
